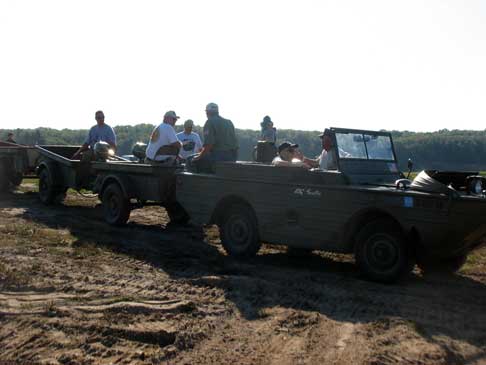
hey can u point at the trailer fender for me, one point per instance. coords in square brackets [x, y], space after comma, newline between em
[102, 182]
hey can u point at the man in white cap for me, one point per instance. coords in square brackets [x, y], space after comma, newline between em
[191, 142]
[163, 148]
[220, 143]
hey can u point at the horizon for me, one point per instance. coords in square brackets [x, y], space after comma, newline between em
[373, 65]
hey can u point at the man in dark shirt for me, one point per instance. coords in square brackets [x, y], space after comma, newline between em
[220, 143]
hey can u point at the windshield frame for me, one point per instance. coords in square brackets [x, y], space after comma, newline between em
[363, 132]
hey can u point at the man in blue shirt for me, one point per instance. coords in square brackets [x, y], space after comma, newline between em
[99, 132]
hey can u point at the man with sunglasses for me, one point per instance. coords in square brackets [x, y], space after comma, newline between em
[289, 155]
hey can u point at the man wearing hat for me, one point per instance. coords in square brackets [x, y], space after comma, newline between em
[191, 143]
[101, 132]
[220, 143]
[289, 155]
[163, 147]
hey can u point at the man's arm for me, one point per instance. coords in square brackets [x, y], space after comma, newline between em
[83, 148]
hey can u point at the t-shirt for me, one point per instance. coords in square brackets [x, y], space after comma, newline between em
[277, 161]
[191, 143]
[220, 133]
[99, 133]
[269, 135]
[163, 135]
[328, 160]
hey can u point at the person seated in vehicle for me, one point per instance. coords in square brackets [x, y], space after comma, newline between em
[328, 158]
[101, 132]
[164, 146]
[289, 155]
[191, 142]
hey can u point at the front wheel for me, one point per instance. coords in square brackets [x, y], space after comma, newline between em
[381, 252]
[116, 207]
[239, 231]
[47, 191]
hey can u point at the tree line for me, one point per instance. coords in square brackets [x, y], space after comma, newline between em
[442, 150]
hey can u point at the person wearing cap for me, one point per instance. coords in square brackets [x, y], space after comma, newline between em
[191, 142]
[327, 159]
[163, 148]
[220, 143]
[101, 132]
[10, 138]
[290, 156]
[269, 133]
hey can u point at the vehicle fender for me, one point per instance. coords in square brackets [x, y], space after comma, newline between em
[102, 181]
[52, 170]
[363, 217]
[224, 203]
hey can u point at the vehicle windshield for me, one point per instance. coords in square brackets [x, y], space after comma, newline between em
[365, 146]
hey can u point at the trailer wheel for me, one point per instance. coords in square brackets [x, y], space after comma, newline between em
[116, 207]
[3, 178]
[381, 252]
[239, 231]
[47, 191]
[444, 266]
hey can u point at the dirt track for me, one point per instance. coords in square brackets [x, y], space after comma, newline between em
[75, 291]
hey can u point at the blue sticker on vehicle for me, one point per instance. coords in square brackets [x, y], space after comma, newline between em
[408, 202]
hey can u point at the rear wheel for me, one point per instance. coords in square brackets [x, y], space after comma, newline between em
[239, 231]
[116, 207]
[47, 190]
[382, 253]
[444, 266]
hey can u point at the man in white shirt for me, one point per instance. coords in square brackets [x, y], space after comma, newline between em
[290, 156]
[191, 142]
[163, 148]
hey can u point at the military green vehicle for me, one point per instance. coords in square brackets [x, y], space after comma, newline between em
[366, 207]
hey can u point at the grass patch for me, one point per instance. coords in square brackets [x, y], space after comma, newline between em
[21, 234]
[12, 278]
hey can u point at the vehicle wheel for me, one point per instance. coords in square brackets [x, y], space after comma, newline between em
[4, 184]
[47, 192]
[239, 231]
[445, 266]
[177, 213]
[381, 252]
[116, 207]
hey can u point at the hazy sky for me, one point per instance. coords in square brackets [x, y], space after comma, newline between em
[415, 65]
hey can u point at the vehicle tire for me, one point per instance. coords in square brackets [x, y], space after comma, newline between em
[47, 191]
[239, 231]
[444, 266]
[382, 253]
[116, 207]
[4, 183]
[176, 213]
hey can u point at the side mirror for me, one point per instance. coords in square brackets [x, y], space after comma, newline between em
[409, 166]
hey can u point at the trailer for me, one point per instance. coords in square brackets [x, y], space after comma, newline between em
[16, 162]
[121, 185]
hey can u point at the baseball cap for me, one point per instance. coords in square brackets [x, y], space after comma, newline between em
[189, 123]
[285, 145]
[212, 107]
[171, 114]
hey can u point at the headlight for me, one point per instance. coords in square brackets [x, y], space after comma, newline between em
[476, 185]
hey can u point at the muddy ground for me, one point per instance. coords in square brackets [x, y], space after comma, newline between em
[75, 291]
